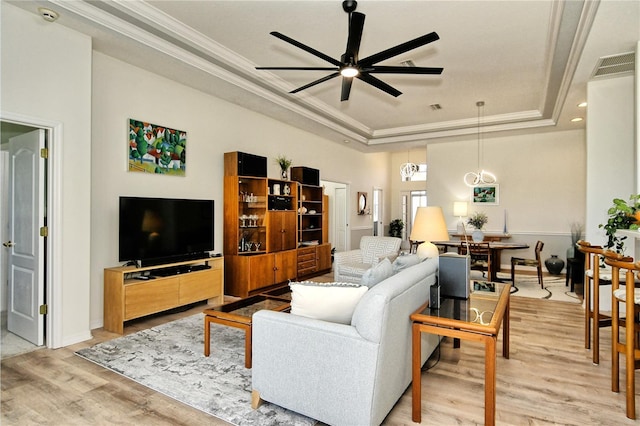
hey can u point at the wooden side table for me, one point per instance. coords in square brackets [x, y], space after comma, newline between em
[239, 314]
[477, 319]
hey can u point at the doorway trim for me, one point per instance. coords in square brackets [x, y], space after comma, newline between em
[53, 269]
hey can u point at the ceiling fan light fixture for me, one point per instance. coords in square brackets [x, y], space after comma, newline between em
[349, 71]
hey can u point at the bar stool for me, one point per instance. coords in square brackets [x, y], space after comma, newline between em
[596, 275]
[630, 296]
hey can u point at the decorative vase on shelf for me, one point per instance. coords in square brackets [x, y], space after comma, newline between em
[285, 174]
[478, 236]
[554, 264]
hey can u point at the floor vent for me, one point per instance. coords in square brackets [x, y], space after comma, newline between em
[616, 64]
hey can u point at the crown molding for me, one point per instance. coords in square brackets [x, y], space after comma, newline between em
[195, 50]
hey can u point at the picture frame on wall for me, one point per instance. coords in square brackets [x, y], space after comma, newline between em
[156, 149]
[488, 195]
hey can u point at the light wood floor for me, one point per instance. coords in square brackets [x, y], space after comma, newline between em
[549, 379]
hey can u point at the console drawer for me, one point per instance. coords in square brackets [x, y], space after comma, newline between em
[149, 297]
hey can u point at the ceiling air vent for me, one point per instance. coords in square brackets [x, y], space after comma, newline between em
[616, 64]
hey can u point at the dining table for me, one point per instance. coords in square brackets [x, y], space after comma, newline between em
[496, 248]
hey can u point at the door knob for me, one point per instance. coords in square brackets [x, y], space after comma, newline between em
[8, 244]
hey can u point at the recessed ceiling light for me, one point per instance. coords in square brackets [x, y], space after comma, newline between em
[48, 14]
[575, 120]
[582, 105]
[346, 141]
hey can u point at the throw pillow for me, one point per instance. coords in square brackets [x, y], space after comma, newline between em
[391, 256]
[333, 302]
[404, 262]
[379, 272]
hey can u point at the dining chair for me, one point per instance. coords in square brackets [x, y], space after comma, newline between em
[594, 276]
[536, 263]
[480, 257]
[630, 296]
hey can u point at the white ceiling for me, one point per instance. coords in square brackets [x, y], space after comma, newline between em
[529, 61]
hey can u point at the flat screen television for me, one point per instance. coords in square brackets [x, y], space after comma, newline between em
[165, 230]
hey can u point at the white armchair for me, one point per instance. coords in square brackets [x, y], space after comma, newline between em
[350, 266]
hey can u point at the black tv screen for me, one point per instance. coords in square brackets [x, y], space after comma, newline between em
[164, 230]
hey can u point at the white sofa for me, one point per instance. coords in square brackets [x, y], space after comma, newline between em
[344, 374]
[350, 266]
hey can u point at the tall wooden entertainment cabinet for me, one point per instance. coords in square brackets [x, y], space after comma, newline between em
[268, 239]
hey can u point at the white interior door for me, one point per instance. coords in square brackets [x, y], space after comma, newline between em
[341, 219]
[378, 220]
[26, 247]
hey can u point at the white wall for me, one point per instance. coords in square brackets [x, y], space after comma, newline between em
[213, 126]
[541, 178]
[46, 75]
[611, 149]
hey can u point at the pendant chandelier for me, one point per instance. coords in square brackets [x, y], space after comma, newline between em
[408, 169]
[481, 176]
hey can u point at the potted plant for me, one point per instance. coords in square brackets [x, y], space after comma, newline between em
[478, 220]
[577, 229]
[395, 228]
[284, 164]
[622, 215]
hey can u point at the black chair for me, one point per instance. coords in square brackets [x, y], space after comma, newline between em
[480, 257]
[535, 263]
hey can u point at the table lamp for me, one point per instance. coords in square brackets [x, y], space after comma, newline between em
[460, 210]
[429, 225]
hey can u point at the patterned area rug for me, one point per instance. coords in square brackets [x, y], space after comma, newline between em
[169, 359]
[554, 288]
[526, 286]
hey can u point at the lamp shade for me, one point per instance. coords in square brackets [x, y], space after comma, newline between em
[460, 208]
[429, 225]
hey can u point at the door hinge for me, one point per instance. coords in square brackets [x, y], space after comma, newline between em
[43, 309]
[44, 231]
[44, 153]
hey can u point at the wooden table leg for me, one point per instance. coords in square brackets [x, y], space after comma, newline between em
[505, 329]
[248, 337]
[416, 385]
[587, 312]
[596, 319]
[207, 335]
[490, 381]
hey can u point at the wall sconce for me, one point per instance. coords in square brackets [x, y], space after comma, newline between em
[362, 203]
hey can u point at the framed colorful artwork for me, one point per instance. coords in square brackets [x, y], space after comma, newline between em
[486, 194]
[157, 149]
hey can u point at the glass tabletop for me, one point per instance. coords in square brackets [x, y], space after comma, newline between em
[479, 308]
[245, 308]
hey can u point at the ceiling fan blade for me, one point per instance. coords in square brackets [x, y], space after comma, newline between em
[402, 70]
[299, 68]
[379, 84]
[346, 88]
[306, 48]
[356, 25]
[399, 49]
[313, 83]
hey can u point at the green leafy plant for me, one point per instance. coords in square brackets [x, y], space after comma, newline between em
[478, 220]
[283, 162]
[395, 228]
[622, 215]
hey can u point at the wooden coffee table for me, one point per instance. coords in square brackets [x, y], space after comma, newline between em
[477, 319]
[239, 314]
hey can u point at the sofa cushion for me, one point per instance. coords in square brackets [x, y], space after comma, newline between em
[404, 262]
[379, 272]
[333, 302]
